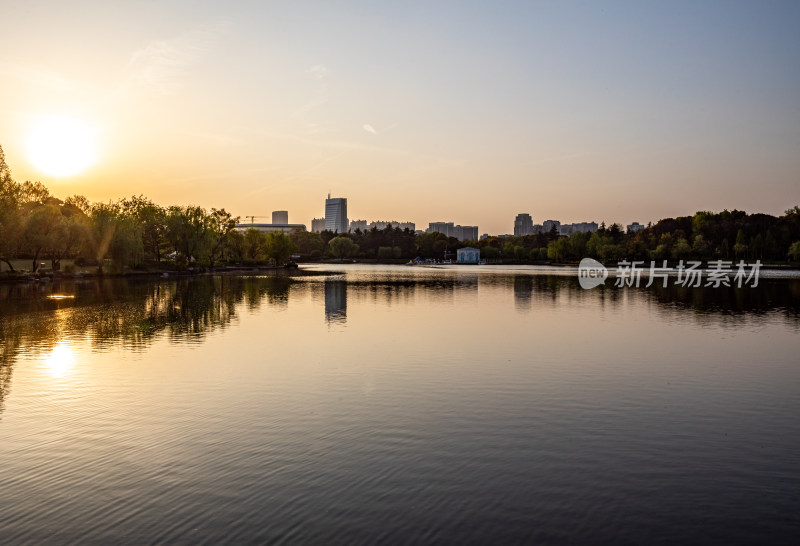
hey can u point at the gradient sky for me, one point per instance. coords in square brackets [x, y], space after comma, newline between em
[458, 111]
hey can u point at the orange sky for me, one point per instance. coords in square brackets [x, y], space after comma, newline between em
[415, 112]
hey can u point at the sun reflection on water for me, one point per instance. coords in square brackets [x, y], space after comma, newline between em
[60, 360]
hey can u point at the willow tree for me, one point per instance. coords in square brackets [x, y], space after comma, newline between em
[342, 247]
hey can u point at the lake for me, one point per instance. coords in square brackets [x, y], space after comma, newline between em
[393, 404]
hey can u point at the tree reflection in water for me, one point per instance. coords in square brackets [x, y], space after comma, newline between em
[126, 313]
[132, 313]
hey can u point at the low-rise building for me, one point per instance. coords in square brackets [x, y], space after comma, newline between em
[358, 224]
[462, 233]
[578, 227]
[548, 225]
[272, 228]
[381, 225]
[318, 225]
[468, 255]
[635, 227]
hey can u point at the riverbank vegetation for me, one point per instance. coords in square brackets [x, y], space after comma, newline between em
[726, 235]
[136, 234]
[131, 233]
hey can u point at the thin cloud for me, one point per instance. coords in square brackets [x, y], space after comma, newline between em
[369, 128]
[317, 72]
[160, 66]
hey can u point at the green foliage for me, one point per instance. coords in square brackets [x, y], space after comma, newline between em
[102, 225]
[342, 247]
[433, 245]
[490, 253]
[794, 251]
[307, 243]
[190, 231]
[152, 220]
[371, 241]
[254, 246]
[699, 246]
[279, 247]
[681, 250]
[577, 245]
[33, 193]
[40, 231]
[5, 170]
[34, 225]
[558, 249]
[222, 226]
[80, 203]
[740, 247]
[126, 248]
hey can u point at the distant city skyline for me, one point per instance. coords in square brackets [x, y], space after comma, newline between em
[606, 112]
[522, 224]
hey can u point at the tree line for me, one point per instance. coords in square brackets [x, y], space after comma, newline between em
[726, 235]
[128, 233]
[135, 233]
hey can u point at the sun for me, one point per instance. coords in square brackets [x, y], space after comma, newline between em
[62, 146]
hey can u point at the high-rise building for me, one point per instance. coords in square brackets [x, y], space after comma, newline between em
[280, 217]
[336, 214]
[447, 228]
[318, 225]
[523, 224]
[336, 301]
[358, 224]
[466, 233]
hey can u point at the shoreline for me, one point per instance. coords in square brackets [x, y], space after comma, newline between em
[303, 271]
[164, 274]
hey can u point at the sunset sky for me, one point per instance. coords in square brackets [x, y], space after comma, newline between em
[456, 111]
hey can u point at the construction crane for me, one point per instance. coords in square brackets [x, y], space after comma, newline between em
[253, 218]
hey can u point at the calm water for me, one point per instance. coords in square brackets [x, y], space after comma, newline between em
[399, 405]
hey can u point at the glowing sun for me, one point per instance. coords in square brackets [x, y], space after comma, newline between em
[62, 146]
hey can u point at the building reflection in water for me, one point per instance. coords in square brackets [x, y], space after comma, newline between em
[336, 301]
[131, 314]
[523, 291]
